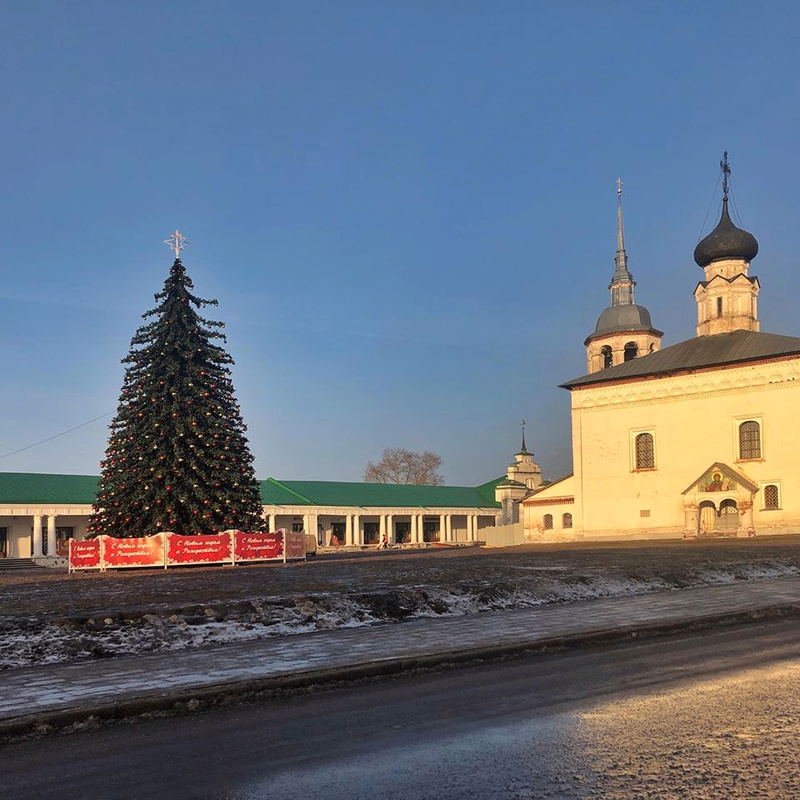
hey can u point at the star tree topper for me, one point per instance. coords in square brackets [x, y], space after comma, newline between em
[176, 242]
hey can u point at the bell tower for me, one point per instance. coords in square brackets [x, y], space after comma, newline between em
[727, 300]
[624, 330]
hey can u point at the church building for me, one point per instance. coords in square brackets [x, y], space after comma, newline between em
[695, 439]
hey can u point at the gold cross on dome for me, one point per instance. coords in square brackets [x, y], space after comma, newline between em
[726, 171]
[176, 242]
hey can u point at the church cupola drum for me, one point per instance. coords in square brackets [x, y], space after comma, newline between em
[727, 300]
[624, 330]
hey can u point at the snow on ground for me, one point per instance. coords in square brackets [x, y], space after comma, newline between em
[140, 624]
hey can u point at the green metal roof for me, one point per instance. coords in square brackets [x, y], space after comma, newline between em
[27, 487]
[330, 493]
[30, 487]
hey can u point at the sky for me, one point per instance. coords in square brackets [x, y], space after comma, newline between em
[406, 210]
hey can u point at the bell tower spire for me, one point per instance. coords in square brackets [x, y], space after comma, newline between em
[624, 330]
[622, 282]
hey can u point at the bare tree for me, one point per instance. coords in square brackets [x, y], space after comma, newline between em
[405, 466]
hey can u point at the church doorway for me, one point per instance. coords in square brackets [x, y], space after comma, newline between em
[728, 518]
[708, 518]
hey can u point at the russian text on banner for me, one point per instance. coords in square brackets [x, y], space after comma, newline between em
[84, 555]
[258, 546]
[200, 549]
[145, 551]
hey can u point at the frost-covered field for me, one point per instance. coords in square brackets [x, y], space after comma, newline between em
[50, 618]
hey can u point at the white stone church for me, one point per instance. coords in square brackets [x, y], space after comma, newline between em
[692, 440]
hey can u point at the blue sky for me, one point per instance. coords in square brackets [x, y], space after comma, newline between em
[406, 209]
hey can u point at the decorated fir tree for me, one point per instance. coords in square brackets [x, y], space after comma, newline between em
[177, 457]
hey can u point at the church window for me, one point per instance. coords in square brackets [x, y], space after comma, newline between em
[719, 306]
[771, 496]
[645, 451]
[607, 357]
[749, 440]
[547, 522]
[631, 351]
[566, 520]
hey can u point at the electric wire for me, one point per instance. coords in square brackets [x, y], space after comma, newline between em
[56, 436]
[719, 178]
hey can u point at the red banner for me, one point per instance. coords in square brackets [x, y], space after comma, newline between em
[147, 551]
[258, 546]
[295, 545]
[84, 555]
[206, 549]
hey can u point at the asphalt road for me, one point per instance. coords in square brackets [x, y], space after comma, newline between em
[711, 715]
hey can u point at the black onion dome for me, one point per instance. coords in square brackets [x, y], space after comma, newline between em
[726, 241]
[623, 318]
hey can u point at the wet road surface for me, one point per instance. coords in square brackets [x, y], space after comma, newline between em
[710, 715]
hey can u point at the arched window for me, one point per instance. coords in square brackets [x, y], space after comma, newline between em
[631, 351]
[719, 306]
[547, 522]
[566, 520]
[771, 498]
[608, 359]
[749, 440]
[652, 347]
[645, 451]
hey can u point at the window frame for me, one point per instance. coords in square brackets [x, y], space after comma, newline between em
[634, 434]
[737, 437]
[762, 490]
[567, 515]
[545, 527]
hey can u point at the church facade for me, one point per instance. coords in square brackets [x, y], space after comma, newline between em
[692, 440]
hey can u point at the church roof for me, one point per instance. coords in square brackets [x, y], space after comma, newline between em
[726, 241]
[622, 318]
[704, 351]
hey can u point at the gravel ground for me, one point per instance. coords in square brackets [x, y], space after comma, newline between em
[48, 616]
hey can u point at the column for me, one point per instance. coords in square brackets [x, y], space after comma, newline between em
[420, 528]
[470, 528]
[358, 536]
[313, 526]
[273, 520]
[690, 517]
[442, 528]
[382, 528]
[51, 535]
[36, 551]
[348, 529]
[746, 526]
[389, 529]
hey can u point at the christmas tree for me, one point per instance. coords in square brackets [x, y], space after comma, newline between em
[177, 457]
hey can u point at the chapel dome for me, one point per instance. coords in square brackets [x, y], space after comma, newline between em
[726, 241]
[623, 318]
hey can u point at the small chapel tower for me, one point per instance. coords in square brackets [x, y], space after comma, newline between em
[727, 300]
[522, 476]
[624, 330]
